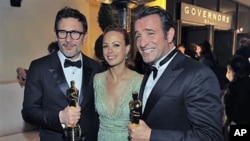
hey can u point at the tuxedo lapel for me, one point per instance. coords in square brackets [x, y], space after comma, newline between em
[143, 84]
[85, 84]
[160, 88]
[87, 74]
[57, 72]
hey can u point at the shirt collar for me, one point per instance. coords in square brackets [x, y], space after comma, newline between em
[157, 64]
[62, 57]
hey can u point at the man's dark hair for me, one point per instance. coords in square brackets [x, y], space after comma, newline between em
[239, 66]
[165, 17]
[67, 12]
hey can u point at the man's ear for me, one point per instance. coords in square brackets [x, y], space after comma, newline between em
[170, 34]
[85, 37]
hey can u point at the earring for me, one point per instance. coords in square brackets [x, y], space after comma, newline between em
[126, 60]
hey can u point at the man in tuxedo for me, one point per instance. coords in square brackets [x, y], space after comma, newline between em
[45, 102]
[180, 97]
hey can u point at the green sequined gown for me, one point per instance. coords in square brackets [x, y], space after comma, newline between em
[113, 124]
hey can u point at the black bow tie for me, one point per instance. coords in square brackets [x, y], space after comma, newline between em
[149, 68]
[68, 63]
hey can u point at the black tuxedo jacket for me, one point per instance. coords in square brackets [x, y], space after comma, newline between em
[45, 96]
[184, 104]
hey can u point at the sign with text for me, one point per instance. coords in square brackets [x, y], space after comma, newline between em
[202, 16]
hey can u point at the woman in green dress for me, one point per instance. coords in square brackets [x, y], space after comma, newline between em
[114, 87]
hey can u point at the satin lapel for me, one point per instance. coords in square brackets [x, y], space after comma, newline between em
[86, 82]
[57, 72]
[167, 78]
[143, 84]
[85, 85]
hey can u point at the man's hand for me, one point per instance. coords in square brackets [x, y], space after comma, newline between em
[21, 75]
[139, 132]
[70, 115]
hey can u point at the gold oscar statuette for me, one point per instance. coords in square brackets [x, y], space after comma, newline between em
[135, 106]
[73, 133]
